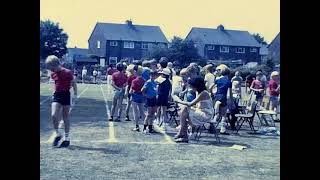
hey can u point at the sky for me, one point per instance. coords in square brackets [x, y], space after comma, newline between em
[175, 17]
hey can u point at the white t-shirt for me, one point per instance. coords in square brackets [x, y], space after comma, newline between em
[177, 84]
[95, 72]
[84, 72]
[209, 79]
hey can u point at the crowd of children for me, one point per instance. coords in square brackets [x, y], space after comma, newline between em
[203, 93]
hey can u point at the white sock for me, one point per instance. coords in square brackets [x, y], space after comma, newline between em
[58, 133]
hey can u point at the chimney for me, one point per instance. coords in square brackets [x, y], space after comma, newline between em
[220, 27]
[129, 23]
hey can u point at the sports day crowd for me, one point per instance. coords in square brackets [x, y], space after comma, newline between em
[202, 95]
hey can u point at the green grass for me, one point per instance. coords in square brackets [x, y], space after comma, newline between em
[139, 156]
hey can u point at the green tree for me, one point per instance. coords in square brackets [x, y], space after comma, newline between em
[53, 40]
[260, 39]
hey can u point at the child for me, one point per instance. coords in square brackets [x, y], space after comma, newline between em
[137, 97]
[119, 82]
[164, 89]
[274, 90]
[258, 87]
[209, 78]
[236, 86]
[146, 70]
[150, 91]
[220, 100]
[61, 98]
[131, 77]
[95, 73]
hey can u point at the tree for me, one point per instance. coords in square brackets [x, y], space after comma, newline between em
[157, 52]
[260, 39]
[53, 40]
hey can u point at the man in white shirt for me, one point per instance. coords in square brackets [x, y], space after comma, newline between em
[84, 73]
[209, 77]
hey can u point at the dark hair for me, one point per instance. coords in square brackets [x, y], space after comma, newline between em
[120, 67]
[137, 62]
[146, 63]
[198, 83]
[163, 62]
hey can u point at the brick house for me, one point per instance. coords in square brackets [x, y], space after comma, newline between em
[274, 49]
[225, 44]
[110, 42]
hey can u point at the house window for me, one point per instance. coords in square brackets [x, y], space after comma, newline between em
[129, 45]
[113, 60]
[253, 50]
[224, 49]
[144, 46]
[210, 47]
[240, 50]
[113, 43]
[98, 44]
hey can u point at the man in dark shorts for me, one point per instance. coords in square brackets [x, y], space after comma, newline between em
[61, 98]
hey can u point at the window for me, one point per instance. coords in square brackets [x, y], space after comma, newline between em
[113, 43]
[98, 44]
[144, 46]
[210, 47]
[253, 49]
[113, 60]
[129, 45]
[224, 49]
[240, 50]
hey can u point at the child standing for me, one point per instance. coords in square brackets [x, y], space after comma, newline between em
[236, 86]
[258, 87]
[274, 90]
[137, 97]
[164, 89]
[131, 77]
[63, 79]
[119, 82]
[150, 91]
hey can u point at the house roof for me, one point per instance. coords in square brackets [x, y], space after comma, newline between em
[78, 51]
[275, 40]
[223, 37]
[86, 59]
[112, 31]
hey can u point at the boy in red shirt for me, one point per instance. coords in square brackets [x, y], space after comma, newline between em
[137, 97]
[119, 83]
[61, 98]
[274, 90]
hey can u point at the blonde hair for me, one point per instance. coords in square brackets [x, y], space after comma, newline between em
[139, 70]
[52, 61]
[224, 69]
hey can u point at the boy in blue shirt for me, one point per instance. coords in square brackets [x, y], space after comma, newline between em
[224, 86]
[150, 92]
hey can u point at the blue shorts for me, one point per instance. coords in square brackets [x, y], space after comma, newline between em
[137, 97]
[222, 98]
[151, 102]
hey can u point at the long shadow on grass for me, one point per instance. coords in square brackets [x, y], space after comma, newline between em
[85, 110]
[103, 150]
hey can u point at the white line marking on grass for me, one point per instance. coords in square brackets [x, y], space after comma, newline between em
[125, 142]
[50, 140]
[167, 138]
[111, 138]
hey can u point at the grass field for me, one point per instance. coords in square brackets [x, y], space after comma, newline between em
[110, 150]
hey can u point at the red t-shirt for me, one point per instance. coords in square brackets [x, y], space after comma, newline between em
[110, 71]
[119, 79]
[62, 79]
[137, 84]
[130, 79]
[258, 84]
[273, 85]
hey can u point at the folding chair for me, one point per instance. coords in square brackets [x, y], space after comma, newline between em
[199, 129]
[247, 117]
[172, 112]
[264, 114]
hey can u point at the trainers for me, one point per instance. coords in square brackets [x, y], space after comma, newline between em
[136, 129]
[111, 118]
[64, 144]
[118, 119]
[56, 140]
[145, 131]
[127, 118]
